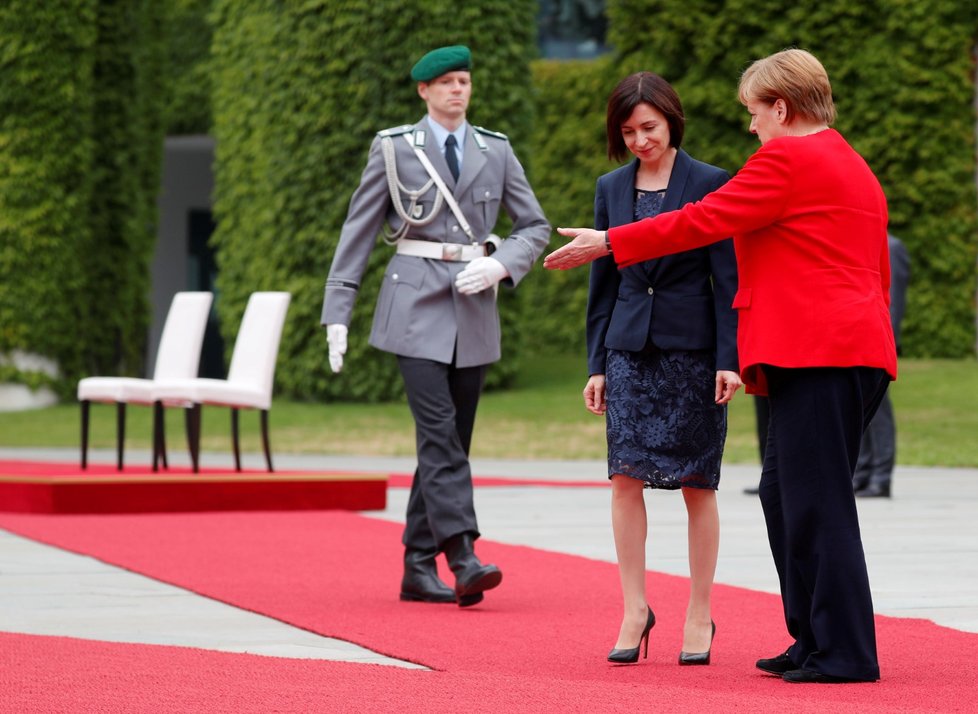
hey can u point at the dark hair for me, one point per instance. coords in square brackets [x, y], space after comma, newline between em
[639, 88]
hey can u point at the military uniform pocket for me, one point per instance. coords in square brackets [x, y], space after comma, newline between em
[488, 197]
[402, 281]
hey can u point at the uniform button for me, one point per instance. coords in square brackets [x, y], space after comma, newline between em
[488, 194]
[651, 291]
[454, 229]
[394, 276]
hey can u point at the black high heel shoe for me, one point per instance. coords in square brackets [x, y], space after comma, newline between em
[699, 657]
[630, 656]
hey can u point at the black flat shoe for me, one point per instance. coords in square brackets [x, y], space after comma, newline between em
[808, 676]
[699, 657]
[630, 655]
[776, 665]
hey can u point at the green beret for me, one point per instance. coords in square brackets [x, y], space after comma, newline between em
[438, 62]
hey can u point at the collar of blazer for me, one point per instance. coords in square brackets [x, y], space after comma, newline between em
[473, 160]
[623, 188]
[623, 209]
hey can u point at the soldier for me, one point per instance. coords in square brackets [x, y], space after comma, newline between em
[439, 185]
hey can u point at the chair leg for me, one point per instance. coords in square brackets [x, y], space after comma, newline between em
[159, 440]
[166, 465]
[235, 441]
[85, 407]
[264, 439]
[193, 435]
[120, 428]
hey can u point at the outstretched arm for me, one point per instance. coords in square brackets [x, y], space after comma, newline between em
[588, 245]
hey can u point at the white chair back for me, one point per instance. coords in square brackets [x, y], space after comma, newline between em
[256, 346]
[178, 356]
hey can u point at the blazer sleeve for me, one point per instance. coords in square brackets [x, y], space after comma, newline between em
[723, 268]
[602, 292]
[752, 199]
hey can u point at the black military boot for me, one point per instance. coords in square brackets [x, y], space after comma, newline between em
[421, 582]
[471, 576]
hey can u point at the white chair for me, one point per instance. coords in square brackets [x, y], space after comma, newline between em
[250, 377]
[177, 357]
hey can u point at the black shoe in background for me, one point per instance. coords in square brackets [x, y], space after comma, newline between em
[874, 490]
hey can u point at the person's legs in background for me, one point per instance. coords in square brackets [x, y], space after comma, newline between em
[762, 415]
[877, 454]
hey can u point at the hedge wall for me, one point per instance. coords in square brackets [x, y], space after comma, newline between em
[188, 72]
[300, 89]
[46, 148]
[80, 143]
[903, 77]
[127, 131]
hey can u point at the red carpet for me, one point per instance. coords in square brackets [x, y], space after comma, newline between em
[536, 644]
[43, 487]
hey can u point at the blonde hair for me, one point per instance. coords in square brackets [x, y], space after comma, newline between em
[797, 77]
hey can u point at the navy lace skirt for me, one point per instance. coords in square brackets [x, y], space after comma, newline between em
[663, 425]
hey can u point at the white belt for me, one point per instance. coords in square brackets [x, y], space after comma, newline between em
[440, 251]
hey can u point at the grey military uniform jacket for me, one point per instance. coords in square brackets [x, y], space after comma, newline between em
[419, 312]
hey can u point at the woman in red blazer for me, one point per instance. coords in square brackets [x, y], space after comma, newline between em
[809, 224]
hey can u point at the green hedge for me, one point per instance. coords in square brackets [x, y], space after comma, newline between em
[80, 145]
[188, 71]
[299, 92]
[127, 130]
[46, 150]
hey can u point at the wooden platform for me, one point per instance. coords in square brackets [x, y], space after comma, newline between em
[39, 487]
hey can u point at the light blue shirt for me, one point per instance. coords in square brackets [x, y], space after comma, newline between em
[441, 136]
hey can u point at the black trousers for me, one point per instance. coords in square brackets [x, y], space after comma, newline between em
[443, 400]
[817, 417]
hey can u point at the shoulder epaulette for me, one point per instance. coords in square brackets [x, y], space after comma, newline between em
[396, 131]
[487, 132]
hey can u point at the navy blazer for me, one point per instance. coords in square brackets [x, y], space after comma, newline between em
[677, 302]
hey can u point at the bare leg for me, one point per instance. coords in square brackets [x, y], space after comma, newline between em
[704, 542]
[630, 525]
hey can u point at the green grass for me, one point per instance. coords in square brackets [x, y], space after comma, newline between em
[542, 417]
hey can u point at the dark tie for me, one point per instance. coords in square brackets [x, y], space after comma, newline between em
[450, 156]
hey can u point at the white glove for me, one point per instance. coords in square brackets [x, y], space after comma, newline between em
[480, 274]
[336, 338]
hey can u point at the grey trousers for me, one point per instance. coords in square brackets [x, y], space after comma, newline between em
[443, 400]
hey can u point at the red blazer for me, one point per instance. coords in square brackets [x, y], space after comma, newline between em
[808, 219]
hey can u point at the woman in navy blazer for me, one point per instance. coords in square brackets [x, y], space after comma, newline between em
[662, 357]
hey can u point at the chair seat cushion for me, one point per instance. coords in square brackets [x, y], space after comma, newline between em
[211, 391]
[116, 389]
